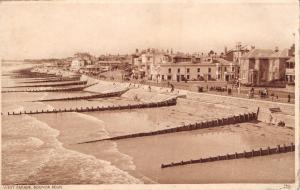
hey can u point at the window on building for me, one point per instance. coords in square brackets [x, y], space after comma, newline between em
[178, 70]
[208, 77]
[169, 70]
[148, 58]
[219, 69]
[219, 76]
[198, 70]
[187, 70]
[225, 69]
[232, 69]
[169, 77]
[198, 76]
[209, 70]
[188, 77]
[162, 77]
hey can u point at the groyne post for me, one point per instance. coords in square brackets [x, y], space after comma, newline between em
[245, 154]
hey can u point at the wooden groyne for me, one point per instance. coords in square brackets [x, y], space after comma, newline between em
[246, 154]
[104, 95]
[56, 79]
[246, 117]
[170, 102]
[35, 75]
[52, 85]
[51, 90]
[29, 73]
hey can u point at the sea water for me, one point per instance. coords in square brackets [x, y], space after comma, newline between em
[32, 153]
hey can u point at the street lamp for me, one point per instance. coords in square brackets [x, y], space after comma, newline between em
[239, 87]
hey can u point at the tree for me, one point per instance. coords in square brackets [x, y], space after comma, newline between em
[211, 52]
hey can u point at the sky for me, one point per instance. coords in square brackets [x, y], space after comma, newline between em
[61, 28]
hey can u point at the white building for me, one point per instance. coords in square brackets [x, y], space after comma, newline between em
[76, 64]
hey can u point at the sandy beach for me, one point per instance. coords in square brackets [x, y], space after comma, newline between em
[137, 160]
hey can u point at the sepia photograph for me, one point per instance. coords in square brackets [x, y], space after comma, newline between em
[154, 94]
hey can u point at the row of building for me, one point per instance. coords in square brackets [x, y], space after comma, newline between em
[248, 65]
[160, 66]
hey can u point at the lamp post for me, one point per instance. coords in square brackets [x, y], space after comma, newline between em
[239, 87]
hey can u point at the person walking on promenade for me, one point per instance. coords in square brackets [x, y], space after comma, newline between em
[289, 98]
[251, 94]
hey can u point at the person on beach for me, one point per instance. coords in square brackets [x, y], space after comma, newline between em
[172, 87]
[136, 97]
[149, 88]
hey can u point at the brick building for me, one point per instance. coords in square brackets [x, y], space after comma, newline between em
[263, 66]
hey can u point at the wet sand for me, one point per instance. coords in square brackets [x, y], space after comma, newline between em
[142, 157]
[150, 152]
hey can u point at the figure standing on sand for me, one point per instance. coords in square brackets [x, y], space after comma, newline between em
[172, 87]
[136, 98]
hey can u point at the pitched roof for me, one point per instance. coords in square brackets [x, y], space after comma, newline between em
[258, 53]
[266, 53]
[223, 61]
[282, 53]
